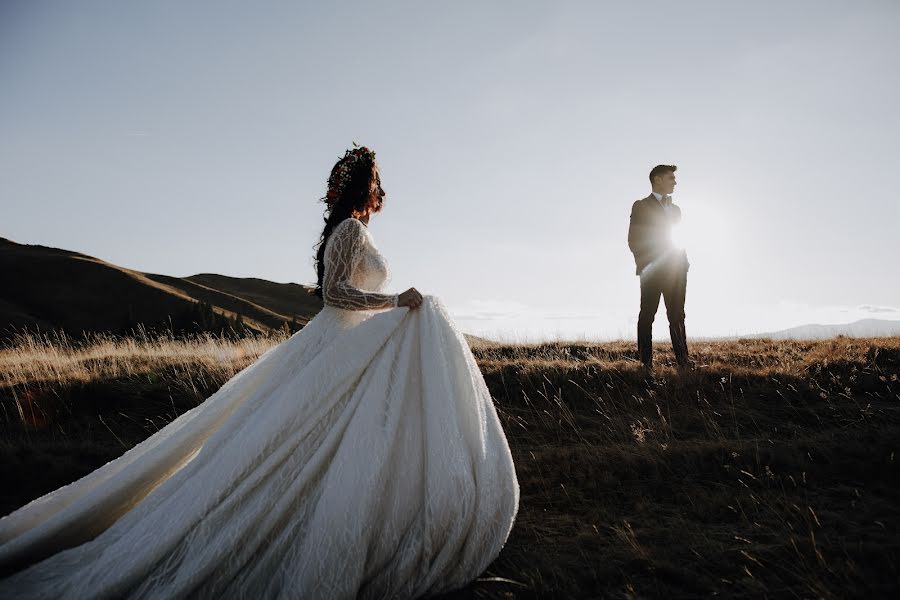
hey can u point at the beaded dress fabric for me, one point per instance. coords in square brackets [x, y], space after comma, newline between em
[360, 458]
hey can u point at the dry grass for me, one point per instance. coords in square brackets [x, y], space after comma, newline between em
[43, 360]
[768, 471]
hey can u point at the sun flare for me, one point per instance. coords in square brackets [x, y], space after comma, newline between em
[703, 233]
[678, 236]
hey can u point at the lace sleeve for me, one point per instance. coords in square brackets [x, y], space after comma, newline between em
[346, 247]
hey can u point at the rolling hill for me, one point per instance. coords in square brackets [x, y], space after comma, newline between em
[48, 289]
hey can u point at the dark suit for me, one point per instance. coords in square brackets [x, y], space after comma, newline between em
[663, 271]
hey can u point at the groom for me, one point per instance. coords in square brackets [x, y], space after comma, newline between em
[661, 265]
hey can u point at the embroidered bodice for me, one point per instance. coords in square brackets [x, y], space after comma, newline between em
[355, 272]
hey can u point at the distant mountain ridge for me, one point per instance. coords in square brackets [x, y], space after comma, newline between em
[858, 329]
[47, 289]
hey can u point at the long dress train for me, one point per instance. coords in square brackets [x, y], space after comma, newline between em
[362, 457]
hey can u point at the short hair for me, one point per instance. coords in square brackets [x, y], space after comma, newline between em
[661, 170]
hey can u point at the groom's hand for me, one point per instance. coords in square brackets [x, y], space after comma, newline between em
[411, 298]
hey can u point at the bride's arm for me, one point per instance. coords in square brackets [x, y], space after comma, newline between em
[341, 258]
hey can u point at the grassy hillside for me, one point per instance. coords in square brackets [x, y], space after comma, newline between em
[283, 298]
[770, 471]
[50, 289]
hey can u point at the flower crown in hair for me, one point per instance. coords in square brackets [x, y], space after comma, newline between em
[338, 180]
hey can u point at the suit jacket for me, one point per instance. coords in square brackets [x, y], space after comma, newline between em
[650, 231]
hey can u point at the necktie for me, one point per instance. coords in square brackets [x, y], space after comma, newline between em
[666, 200]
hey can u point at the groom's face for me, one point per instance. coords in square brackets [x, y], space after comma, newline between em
[665, 183]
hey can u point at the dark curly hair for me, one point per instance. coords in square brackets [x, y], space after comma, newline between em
[349, 195]
[661, 170]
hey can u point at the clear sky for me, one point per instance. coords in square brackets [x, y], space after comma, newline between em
[187, 137]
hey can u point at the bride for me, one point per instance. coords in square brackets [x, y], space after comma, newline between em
[361, 457]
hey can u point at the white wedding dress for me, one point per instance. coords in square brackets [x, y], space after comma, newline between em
[361, 457]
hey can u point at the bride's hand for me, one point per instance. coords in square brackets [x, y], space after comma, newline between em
[411, 298]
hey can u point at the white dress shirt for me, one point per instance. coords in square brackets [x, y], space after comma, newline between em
[666, 207]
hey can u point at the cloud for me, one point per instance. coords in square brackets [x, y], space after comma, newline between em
[491, 310]
[877, 309]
